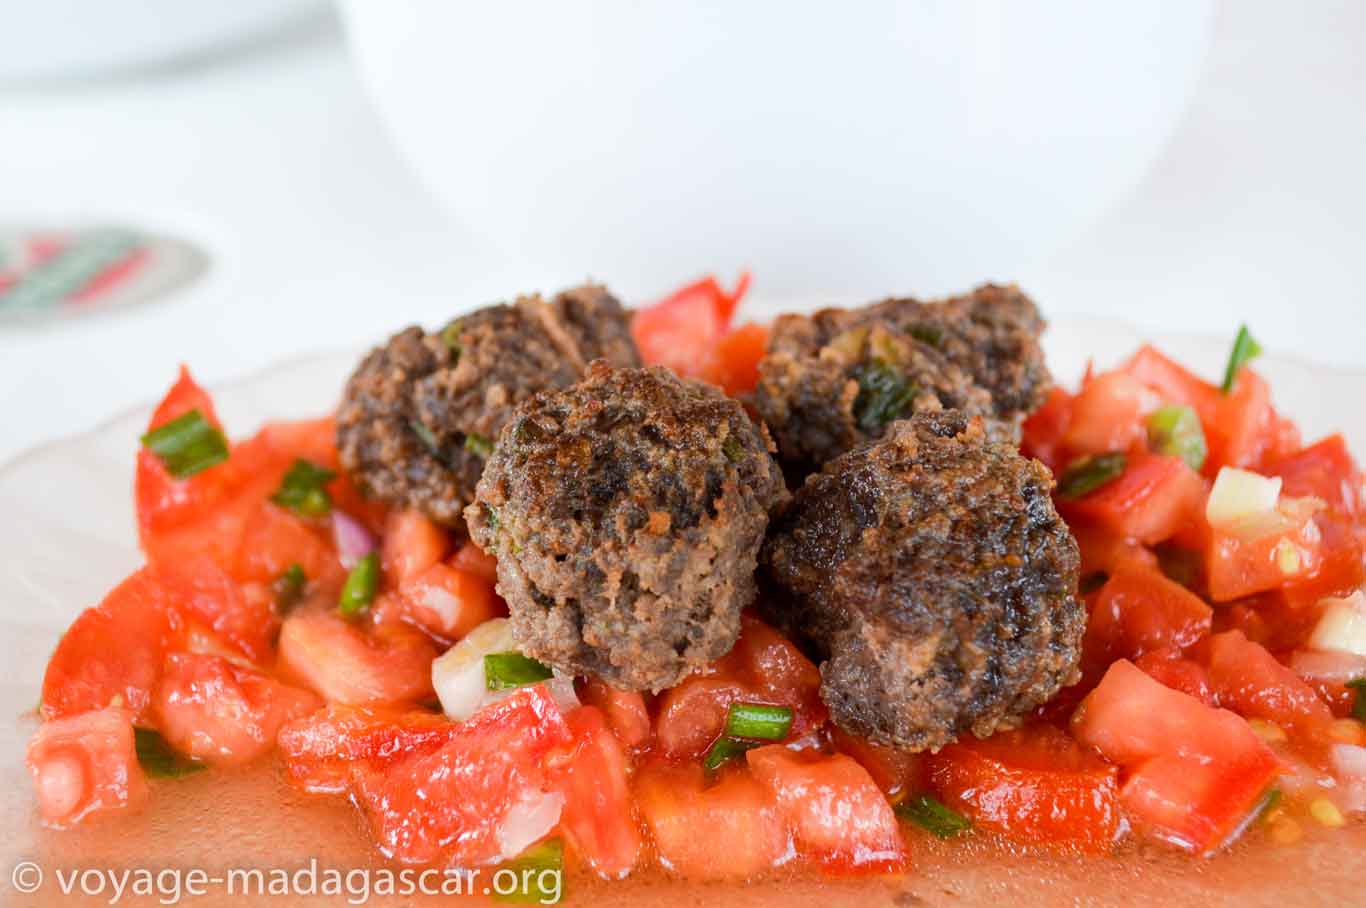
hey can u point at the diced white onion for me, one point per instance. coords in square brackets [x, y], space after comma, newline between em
[1240, 494]
[528, 821]
[1327, 666]
[458, 674]
[561, 687]
[1342, 626]
[1349, 765]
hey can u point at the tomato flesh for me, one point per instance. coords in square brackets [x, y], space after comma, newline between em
[591, 774]
[897, 773]
[683, 330]
[411, 544]
[449, 603]
[85, 764]
[320, 750]
[1248, 679]
[1140, 610]
[357, 664]
[1264, 553]
[624, 710]
[1151, 501]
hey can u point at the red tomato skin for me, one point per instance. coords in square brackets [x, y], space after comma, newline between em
[357, 663]
[1140, 610]
[1194, 804]
[598, 818]
[1150, 502]
[1168, 667]
[1243, 562]
[681, 331]
[1248, 679]
[204, 593]
[1325, 470]
[224, 714]
[693, 713]
[1244, 428]
[897, 773]
[731, 830]
[474, 560]
[736, 359]
[448, 805]
[1108, 415]
[1173, 383]
[624, 710]
[1341, 566]
[320, 750]
[85, 764]
[1043, 430]
[273, 539]
[838, 816]
[1035, 785]
[112, 653]
[449, 603]
[164, 502]
[1104, 551]
[412, 543]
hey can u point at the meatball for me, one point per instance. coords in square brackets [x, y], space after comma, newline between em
[835, 379]
[627, 512]
[420, 414]
[930, 573]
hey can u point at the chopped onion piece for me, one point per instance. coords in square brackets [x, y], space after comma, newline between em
[1349, 765]
[561, 688]
[352, 539]
[1240, 494]
[1342, 626]
[528, 821]
[458, 674]
[1327, 666]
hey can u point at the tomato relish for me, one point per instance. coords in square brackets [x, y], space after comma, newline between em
[283, 616]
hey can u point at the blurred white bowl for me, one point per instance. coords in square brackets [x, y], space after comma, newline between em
[869, 146]
[43, 39]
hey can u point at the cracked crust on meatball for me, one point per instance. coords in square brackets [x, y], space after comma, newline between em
[931, 575]
[626, 513]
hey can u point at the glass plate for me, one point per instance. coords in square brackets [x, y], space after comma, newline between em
[67, 536]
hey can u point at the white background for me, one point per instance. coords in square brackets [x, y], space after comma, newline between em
[321, 239]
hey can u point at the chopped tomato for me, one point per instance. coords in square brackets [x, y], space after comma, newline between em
[1150, 502]
[1108, 415]
[1170, 668]
[1265, 552]
[591, 774]
[735, 360]
[837, 814]
[204, 593]
[1104, 551]
[730, 830]
[624, 710]
[474, 560]
[682, 331]
[1196, 773]
[1172, 382]
[112, 654]
[320, 750]
[1248, 679]
[273, 539]
[85, 764]
[412, 544]
[1139, 610]
[1327, 471]
[1043, 431]
[1341, 566]
[451, 805]
[225, 714]
[357, 663]
[693, 713]
[1245, 427]
[1035, 784]
[897, 772]
[450, 603]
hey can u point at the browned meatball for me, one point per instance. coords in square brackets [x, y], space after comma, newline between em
[835, 379]
[930, 573]
[627, 513]
[420, 414]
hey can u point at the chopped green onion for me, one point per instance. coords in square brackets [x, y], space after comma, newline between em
[756, 720]
[450, 336]
[304, 489]
[883, 393]
[503, 671]
[930, 814]
[478, 445]
[536, 875]
[725, 749]
[425, 436]
[187, 444]
[1176, 430]
[1245, 350]
[1359, 704]
[360, 587]
[1273, 797]
[733, 449]
[289, 588]
[158, 759]
[1086, 474]
[928, 334]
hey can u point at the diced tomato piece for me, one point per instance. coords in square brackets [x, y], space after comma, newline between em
[1044, 429]
[735, 360]
[897, 773]
[1341, 566]
[204, 593]
[1154, 497]
[1108, 415]
[112, 654]
[682, 331]
[1248, 679]
[314, 440]
[1139, 610]
[449, 603]
[1170, 668]
[412, 543]
[1105, 551]
[358, 664]
[1265, 552]
[320, 750]
[1327, 471]
[624, 710]
[1245, 427]
[591, 775]
[837, 814]
[730, 830]
[273, 539]
[451, 804]
[474, 560]
[85, 764]
[221, 713]
[1034, 784]
[1198, 773]
[1172, 382]
[692, 714]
